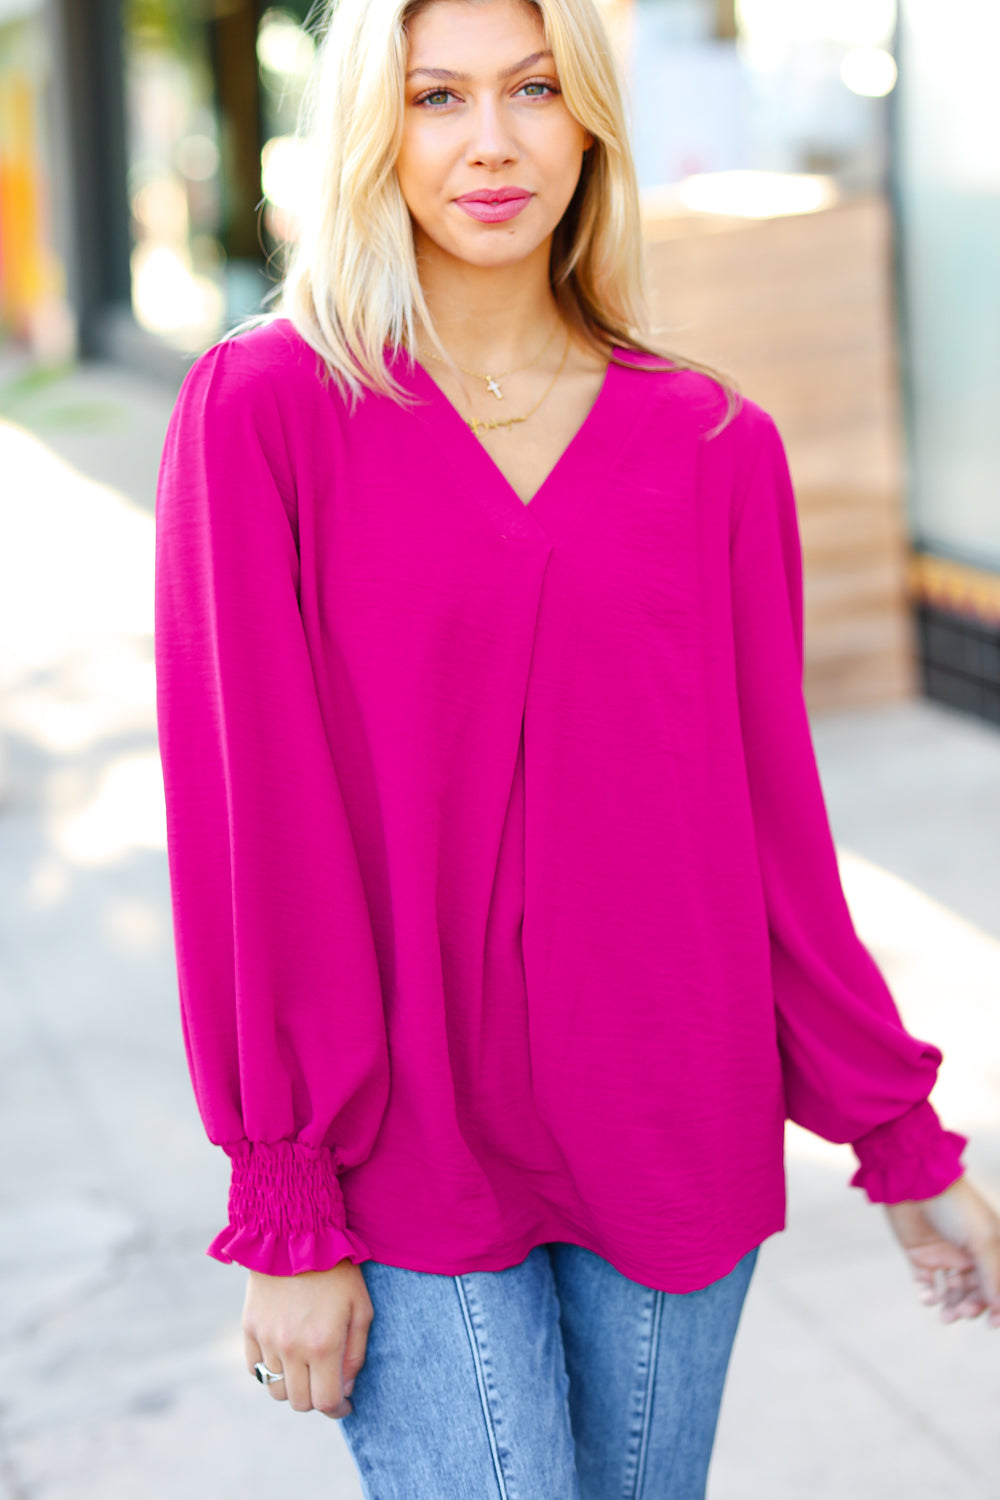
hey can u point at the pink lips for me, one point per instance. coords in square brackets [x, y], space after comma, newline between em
[494, 205]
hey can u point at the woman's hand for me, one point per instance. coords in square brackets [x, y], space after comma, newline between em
[953, 1245]
[314, 1328]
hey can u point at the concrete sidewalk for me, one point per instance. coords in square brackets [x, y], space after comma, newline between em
[121, 1368]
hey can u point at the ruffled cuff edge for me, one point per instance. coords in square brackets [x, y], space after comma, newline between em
[287, 1255]
[908, 1159]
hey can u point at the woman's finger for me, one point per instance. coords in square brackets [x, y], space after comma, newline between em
[255, 1355]
[933, 1284]
[276, 1389]
[985, 1248]
[326, 1381]
[295, 1387]
[324, 1353]
[334, 1378]
[356, 1346]
[970, 1307]
[962, 1299]
[957, 1284]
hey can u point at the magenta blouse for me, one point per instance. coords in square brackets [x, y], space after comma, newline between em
[505, 902]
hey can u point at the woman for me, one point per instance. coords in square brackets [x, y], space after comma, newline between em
[507, 915]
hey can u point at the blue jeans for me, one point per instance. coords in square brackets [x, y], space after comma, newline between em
[555, 1379]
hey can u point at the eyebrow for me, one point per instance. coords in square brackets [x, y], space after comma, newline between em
[451, 77]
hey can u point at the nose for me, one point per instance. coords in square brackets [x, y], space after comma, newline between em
[491, 143]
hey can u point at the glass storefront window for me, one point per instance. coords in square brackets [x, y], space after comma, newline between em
[213, 90]
[761, 87]
[33, 303]
[286, 53]
[948, 191]
[174, 188]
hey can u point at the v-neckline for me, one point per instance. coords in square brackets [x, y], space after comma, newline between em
[469, 456]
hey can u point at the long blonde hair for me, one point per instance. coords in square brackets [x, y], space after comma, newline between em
[351, 287]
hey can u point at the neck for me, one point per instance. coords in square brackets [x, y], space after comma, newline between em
[488, 317]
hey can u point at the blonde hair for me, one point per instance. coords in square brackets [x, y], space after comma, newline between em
[351, 287]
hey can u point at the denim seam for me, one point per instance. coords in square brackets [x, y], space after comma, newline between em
[647, 1416]
[481, 1382]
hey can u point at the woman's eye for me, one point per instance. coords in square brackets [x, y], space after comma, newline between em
[539, 84]
[435, 98]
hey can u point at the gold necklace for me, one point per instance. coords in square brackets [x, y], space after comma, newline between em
[493, 381]
[478, 424]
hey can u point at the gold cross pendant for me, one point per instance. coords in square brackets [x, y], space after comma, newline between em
[493, 387]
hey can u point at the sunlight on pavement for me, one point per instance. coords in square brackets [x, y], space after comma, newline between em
[945, 973]
[77, 702]
[126, 813]
[136, 925]
[945, 976]
[76, 564]
[76, 626]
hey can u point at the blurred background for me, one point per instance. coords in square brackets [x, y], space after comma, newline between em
[821, 200]
[822, 187]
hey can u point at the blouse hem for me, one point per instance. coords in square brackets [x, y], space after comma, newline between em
[498, 1259]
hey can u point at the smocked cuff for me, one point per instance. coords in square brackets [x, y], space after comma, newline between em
[286, 1211]
[909, 1158]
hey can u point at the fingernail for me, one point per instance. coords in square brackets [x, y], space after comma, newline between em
[348, 1387]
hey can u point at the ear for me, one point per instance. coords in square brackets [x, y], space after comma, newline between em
[589, 141]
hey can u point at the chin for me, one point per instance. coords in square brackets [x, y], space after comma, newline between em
[493, 257]
[493, 248]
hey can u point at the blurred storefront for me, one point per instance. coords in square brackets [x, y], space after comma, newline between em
[32, 291]
[822, 189]
[210, 101]
[808, 217]
[947, 193]
[770, 236]
[190, 107]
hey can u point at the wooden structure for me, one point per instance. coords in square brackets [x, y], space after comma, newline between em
[799, 310]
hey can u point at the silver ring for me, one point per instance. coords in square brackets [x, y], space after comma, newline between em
[266, 1376]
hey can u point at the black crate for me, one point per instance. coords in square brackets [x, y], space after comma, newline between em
[960, 660]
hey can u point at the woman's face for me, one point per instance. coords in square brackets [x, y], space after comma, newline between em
[490, 155]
